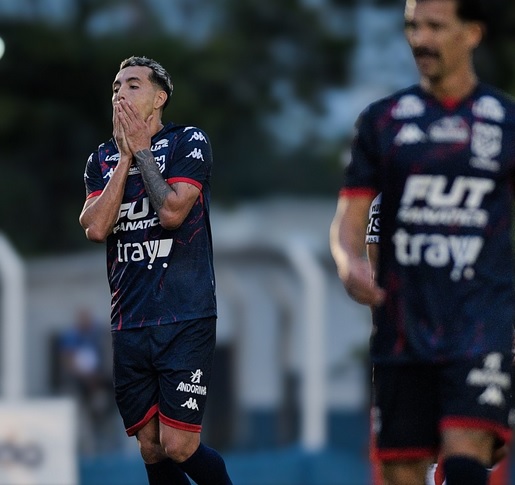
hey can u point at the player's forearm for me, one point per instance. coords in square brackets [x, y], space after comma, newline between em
[161, 194]
[155, 184]
[99, 217]
[347, 236]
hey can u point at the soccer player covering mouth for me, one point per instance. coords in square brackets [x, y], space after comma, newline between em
[147, 198]
[442, 155]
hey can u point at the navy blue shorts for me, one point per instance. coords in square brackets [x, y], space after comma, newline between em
[414, 403]
[164, 369]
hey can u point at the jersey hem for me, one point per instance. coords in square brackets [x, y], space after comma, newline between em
[115, 326]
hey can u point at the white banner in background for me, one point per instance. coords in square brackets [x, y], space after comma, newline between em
[38, 442]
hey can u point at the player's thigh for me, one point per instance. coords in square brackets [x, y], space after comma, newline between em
[135, 381]
[406, 412]
[184, 365]
[406, 472]
[475, 443]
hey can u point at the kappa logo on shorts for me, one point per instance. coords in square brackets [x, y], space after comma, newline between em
[491, 377]
[191, 403]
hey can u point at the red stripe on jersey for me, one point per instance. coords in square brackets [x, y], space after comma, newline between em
[94, 194]
[186, 180]
[358, 192]
[150, 414]
[195, 428]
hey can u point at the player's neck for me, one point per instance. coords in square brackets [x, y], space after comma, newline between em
[157, 127]
[451, 87]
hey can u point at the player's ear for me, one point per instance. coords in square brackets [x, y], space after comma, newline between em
[476, 32]
[160, 99]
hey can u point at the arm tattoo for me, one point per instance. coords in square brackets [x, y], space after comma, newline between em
[155, 184]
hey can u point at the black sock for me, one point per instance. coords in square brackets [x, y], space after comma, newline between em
[206, 467]
[166, 472]
[460, 470]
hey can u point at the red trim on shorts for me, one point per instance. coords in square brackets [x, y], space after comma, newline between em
[476, 423]
[186, 180]
[195, 428]
[394, 454]
[150, 414]
[357, 192]
[94, 194]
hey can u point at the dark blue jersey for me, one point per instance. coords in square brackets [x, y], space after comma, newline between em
[446, 175]
[159, 276]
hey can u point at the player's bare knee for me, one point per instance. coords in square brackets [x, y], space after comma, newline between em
[405, 473]
[180, 446]
[151, 451]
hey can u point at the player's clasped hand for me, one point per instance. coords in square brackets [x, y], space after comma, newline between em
[135, 128]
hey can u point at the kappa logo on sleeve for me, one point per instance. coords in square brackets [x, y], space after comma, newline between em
[197, 135]
[196, 153]
[488, 107]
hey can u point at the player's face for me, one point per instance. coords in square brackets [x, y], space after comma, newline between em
[133, 84]
[441, 42]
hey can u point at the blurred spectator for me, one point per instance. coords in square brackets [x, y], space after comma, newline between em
[84, 373]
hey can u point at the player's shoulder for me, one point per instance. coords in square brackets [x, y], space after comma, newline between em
[404, 103]
[187, 132]
[105, 148]
[493, 104]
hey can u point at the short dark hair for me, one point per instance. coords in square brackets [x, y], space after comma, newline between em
[159, 76]
[469, 10]
[472, 10]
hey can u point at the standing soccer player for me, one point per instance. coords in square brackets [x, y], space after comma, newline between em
[442, 154]
[147, 197]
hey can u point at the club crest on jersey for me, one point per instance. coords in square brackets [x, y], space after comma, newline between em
[488, 107]
[409, 106]
[486, 140]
